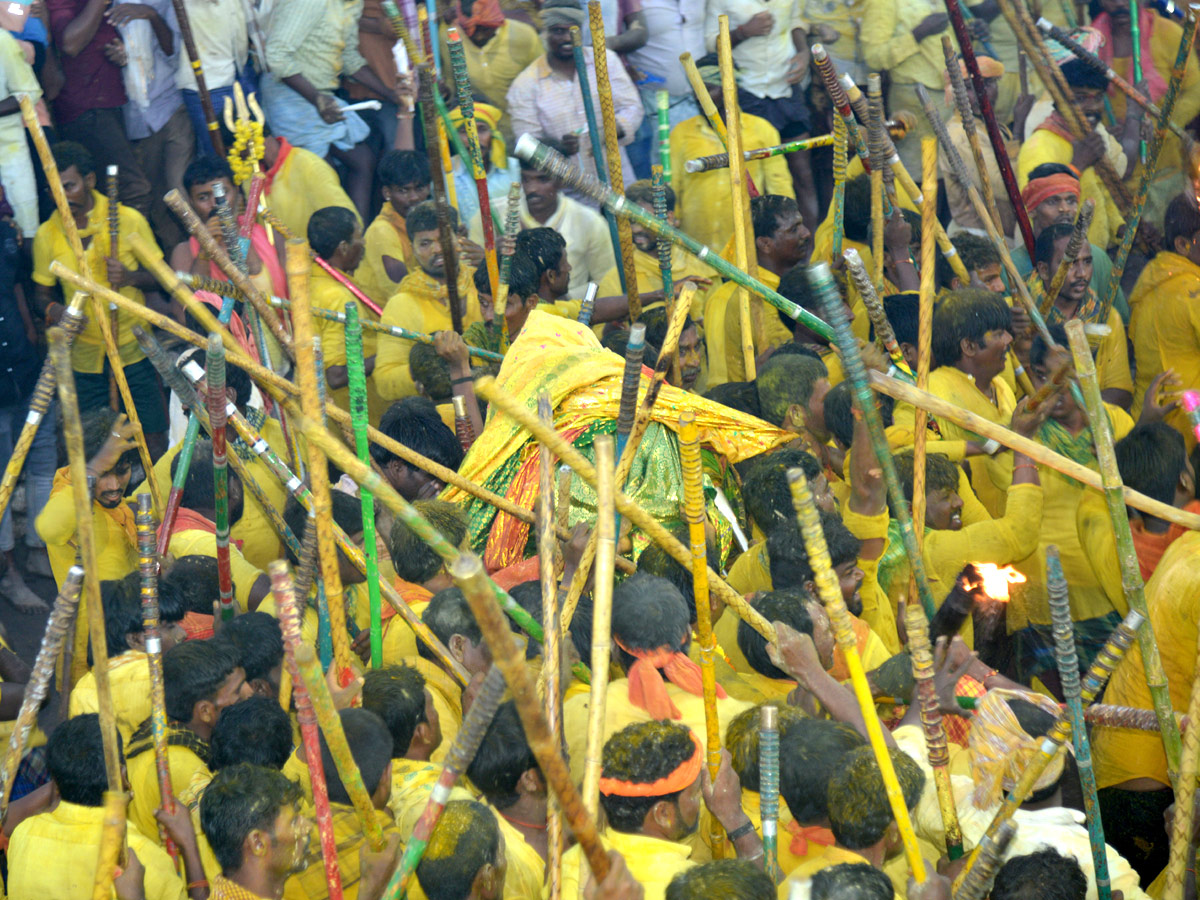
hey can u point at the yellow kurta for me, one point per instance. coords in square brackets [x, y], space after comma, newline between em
[447, 700]
[775, 332]
[48, 856]
[651, 861]
[877, 610]
[725, 362]
[50, 244]
[1164, 325]
[302, 184]
[1173, 597]
[116, 547]
[412, 782]
[385, 236]
[702, 200]
[325, 292]
[419, 305]
[194, 542]
[310, 884]
[1044, 146]
[129, 684]
[143, 781]
[260, 543]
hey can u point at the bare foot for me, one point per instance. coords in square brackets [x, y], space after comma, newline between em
[37, 562]
[14, 589]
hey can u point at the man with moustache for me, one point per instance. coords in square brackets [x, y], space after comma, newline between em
[421, 303]
[122, 273]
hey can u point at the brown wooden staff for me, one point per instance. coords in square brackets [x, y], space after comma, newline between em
[925, 328]
[112, 843]
[114, 240]
[959, 88]
[189, 44]
[426, 86]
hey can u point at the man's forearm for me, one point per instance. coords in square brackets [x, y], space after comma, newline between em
[303, 87]
[79, 33]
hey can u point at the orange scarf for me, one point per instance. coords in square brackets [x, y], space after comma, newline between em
[190, 520]
[269, 176]
[1151, 547]
[803, 835]
[121, 514]
[646, 688]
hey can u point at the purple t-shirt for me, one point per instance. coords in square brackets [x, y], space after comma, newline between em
[91, 81]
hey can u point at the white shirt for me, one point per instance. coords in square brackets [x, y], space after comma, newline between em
[222, 40]
[762, 62]
[673, 26]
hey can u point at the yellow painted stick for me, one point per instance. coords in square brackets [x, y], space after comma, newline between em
[112, 844]
[924, 328]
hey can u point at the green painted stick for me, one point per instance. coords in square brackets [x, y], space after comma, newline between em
[1131, 576]
[663, 108]
[358, 416]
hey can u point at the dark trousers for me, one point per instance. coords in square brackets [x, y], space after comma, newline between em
[103, 132]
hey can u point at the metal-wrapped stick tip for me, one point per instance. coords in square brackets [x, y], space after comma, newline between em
[637, 336]
[820, 274]
[819, 53]
[527, 145]
[768, 717]
[1045, 24]
[851, 255]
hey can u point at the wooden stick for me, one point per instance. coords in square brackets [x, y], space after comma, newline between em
[1102, 667]
[943, 409]
[704, 99]
[967, 115]
[693, 505]
[206, 104]
[306, 717]
[467, 571]
[318, 473]
[991, 855]
[66, 604]
[601, 624]
[1075, 245]
[840, 138]
[148, 564]
[884, 334]
[662, 101]
[1185, 804]
[809, 521]
[1052, 386]
[631, 377]
[440, 183]
[504, 401]
[875, 95]
[1131, 576]
[917, 627]
[929, 176]
[1068, 673]
[458, 758]
[112, 843]
[81, 489]
[114, 238]
[216, 400]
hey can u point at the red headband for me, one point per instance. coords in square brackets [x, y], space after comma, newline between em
[681, 778]
[1039, 190]
[646, 688]
[484, 14]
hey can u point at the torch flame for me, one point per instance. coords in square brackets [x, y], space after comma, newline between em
[996, 579]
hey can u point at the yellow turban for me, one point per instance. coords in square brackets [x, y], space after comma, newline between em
[1001, 749]
[485, 112]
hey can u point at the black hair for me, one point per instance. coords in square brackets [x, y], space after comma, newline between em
[122, 601]
[766, 210]
[839, 413]
[766, 493]
[1079, 74]
[255, 730]
[902, 311]
[446, 615]
[966, 314]
[728, 879]
[432, 371]
[1194, 459]
[794, 285]
[1044, 874]
[741, 738]
[97, 426]
[204, 169]
[524, 276]
[1045, 170]
[857, 222]
[940, 474]
[851, 881]
[199, 492]
[397, 695]
[329, 227]
[415, 423]
[648, 612]
[580, 629]
[1043, 249]
[787, 381]
[75, 760]
[642, 192]
[1037, 723]
[656, 561]
[424, 217]
[859, 811]
[502, 758]
[194, 671]
[1181, 220]
[400, 168]
[259, 642]
[642, 753]
[370, 746]
[738, 395]
[414, 560]
[465, 839]
[789, 606]
[543, 246]
[195, 579]
[241, 799]
[71, 153]
[789, 558]
[1040, 349]
[347, 514]
[975, 252]
[1151, 458]
[809, 753]
[528, 595]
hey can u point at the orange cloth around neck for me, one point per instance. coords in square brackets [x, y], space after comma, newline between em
[803, 835]
[1150, 546]
[646, 688]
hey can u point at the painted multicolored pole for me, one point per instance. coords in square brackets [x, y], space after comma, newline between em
[215, 401]
[768, 786]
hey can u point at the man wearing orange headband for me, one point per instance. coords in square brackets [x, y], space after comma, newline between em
[650, 788]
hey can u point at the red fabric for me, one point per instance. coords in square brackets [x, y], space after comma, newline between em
[518, 573]
[646, 688]
[90, 81]
[189, 520]
[484, 14]
[1151, 547]
[1056, 124]
[197, 627]
[803, 835]
[235, 325]
[269, 177]
[1039, 190]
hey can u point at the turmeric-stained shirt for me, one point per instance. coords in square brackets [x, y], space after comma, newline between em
[129, 684]
[113, 530]
[143, 781]
[325, 292]
[194, 542]
[412, 783]
[299, 184]
[1046, 146]
[774, 332]
[877, 610]
[53, 854]
[649, 278]
[888, 42]
[419, 305]
[702, 200]
[723, 329]
[1173, 597]
[386, 236]
[50, 244]
[652, 862]
[348, 835]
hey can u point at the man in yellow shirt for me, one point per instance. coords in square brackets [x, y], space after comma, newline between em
[334, 233]
[415, 423]
[120, 271]
[47, 855]
[200, 679]
[465, 857]
[298, 183]
[791, 395]
[421, 303]
[109, 447]
[404, 179]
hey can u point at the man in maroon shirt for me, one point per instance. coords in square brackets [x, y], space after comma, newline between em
[88, 108]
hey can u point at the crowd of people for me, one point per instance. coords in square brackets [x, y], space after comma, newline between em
[316, 103]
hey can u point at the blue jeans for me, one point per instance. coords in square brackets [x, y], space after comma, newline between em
[191, 99]
[40, 465]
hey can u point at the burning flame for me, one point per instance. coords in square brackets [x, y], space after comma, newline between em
[996, 579]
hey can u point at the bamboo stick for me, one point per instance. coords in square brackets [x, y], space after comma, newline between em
[458, 758]
[112, 843]
[114, 238]
[612, 152]
[721, 160]
[768, 786]
[467, 571]
[809, 521]
[66, 605]
[1068, 673]
[148, 568]
[216, 398]
[441, 184]
[486, 387]
[400, 29]
[206, 104]
[601, 625]
[663, 108]
[884, 334]
[508, 246]
[917, 627]
[1052, 386]
[839, 184]
[1185, 804]
[991, 855]
[1075, 245]
[1127, 717]
[1052, 744]
[928, 292]
[631, 376]
[309, 377]
[943, 409]
[1149, 163]
[306, 717]
[821, 280]
[693, 506]
[81, 489]
[563, 516]
[967, 115]
[1131, 576]
[875, 105]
